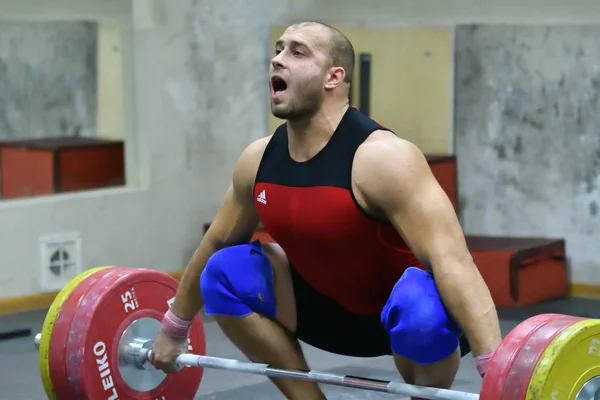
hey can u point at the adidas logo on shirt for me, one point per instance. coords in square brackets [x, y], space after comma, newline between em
[262, 197]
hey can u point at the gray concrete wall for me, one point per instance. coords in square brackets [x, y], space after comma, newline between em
[528, 135]
[47, 79]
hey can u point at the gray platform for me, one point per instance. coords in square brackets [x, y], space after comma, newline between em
[19, 372]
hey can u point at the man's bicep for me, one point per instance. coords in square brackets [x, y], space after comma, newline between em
[427, 220]
[237, 218]
[400, 183]
[235, 221]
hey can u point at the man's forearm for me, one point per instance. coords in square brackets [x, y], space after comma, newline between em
[188, 300]
[468, 299]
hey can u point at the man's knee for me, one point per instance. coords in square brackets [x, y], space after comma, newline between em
[237, 281]
[419, 326]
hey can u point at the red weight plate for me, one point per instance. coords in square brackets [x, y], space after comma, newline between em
[517, 380]
[494, 384]
[62, 325]
[100, 322]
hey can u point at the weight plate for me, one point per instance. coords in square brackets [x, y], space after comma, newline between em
[569, 368]
[48, 326]
[519, 377]
[498, 376]
[133, 305]
[64, 318]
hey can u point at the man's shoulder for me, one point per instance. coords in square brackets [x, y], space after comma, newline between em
[384, 146]
[255, 149]
[387, 167]
[248, 162]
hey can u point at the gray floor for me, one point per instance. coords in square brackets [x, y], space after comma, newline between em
[19, 376]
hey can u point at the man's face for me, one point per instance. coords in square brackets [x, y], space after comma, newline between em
[298, 72]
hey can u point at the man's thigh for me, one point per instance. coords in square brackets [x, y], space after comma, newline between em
[253, 277]
[417, 322]
[283, 288]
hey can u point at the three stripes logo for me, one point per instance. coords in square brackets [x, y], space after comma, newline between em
[262, 197]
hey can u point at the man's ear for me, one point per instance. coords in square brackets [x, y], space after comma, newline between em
[335, 78]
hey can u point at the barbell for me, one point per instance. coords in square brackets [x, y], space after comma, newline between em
[97, 337]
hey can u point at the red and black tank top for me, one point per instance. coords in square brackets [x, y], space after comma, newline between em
[309, 209]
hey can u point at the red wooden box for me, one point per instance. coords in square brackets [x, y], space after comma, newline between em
[43, 166]
[521, 271]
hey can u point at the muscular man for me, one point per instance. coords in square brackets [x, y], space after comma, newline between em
[370, 257]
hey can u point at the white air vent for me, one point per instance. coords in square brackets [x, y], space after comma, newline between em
[60, 257]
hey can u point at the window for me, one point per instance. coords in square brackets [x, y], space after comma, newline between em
[63, 124]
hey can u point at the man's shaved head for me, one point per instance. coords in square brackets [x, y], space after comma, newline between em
[341, 51]
[313, 62]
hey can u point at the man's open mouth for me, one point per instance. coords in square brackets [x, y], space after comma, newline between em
[278, 85]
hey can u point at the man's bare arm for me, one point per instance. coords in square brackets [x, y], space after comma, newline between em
[394, 177]
[234, 224]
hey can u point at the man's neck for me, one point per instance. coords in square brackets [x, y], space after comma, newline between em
[308, 136]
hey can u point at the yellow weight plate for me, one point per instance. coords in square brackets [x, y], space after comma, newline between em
[46, 333]
[571, 360]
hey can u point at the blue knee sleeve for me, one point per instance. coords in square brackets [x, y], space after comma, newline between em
[237, 281]
[419, 326]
